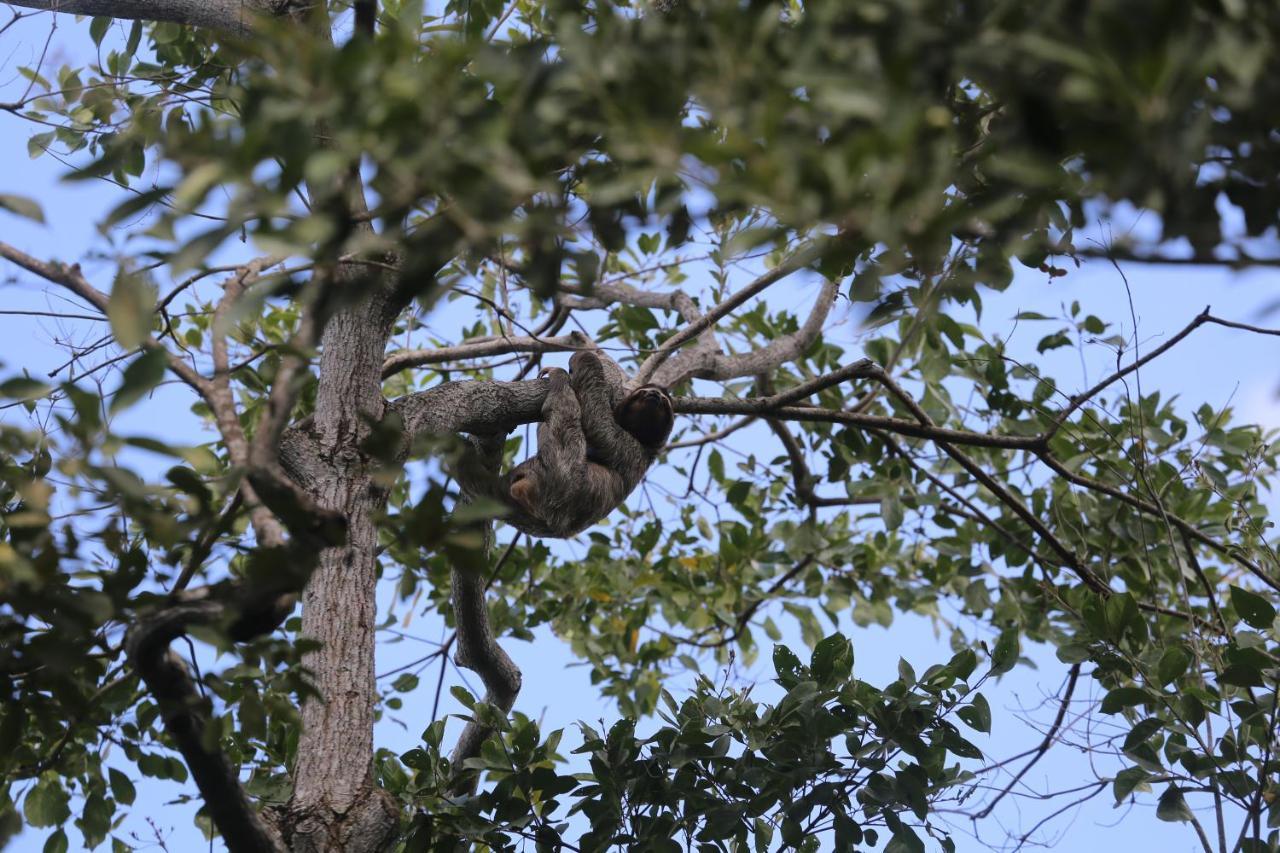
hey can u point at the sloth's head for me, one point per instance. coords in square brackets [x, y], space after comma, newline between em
[647, 414]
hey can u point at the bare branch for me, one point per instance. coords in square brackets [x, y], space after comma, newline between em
[406, 359]
[266, 527]
[710, 437]
[603, 295]
[798, 260]
[1049, 737]
[73, 280]
[897, 426]
[709, 363]
[1204, 317]
[1113, 254]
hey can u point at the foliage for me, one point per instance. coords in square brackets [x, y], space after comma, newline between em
[521, 163]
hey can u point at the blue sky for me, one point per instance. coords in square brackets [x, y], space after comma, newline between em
[1216, 366]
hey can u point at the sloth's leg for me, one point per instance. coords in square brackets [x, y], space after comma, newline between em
[608, 443]
[562, 451]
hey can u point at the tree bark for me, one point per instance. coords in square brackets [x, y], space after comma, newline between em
[336, 805]
[229, 15]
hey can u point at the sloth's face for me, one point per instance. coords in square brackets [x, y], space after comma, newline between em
[647, 414]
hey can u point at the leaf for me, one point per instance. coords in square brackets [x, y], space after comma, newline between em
[788, 667]
[46, 805]
[135, 36]
[143, 374]
[715, 464]
[405, 682]
[56, 843]
[891, 512]
[1142, 732]
[1192, 709]
[463, 695]
[129, 309]
[1123, 697]
[1127, 781]
[39, 143]
[121, 787]
[98, 28]
[22, 206]
[1241, 675]
[977, 714]
[1173, 663]
[832, 659]
[1173, 806]
[1253, 608]
[959, 746]
[23, 388]
[1006, 652]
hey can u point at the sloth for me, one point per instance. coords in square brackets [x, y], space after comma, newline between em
[591, 452]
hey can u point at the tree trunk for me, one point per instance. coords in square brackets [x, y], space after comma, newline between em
[336, 805]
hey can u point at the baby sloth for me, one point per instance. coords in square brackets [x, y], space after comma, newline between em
[591, 452]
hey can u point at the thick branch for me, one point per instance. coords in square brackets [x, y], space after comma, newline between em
[186, 715]
[707, 347]
[222, 403]
[478, 649]
[229, 15]
[710, 363]
[472, 406]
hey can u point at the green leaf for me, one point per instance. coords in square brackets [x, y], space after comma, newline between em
[1173, 663]
[1142, 732]
[1123, 697]
[1129, 780]
[56, 843]
[715, 464]
[832, 659]
[1241, 675]
[121, 787]
[47, 804]
[23, 388]
[22, 206]
[1005, 655]
[463, 695]
[954, 743]
[1192, 709]
[405, 682]
[130, 308]
[143, 374]
[135, 37]
[1173, 806]
[891, 512]
[98, 29]
[788, 667]
[1253, 608]
[977, 714]
[39, 143]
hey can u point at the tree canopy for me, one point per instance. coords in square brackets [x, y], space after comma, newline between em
[352, 233]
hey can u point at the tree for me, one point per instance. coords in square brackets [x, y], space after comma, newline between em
[303, 189]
